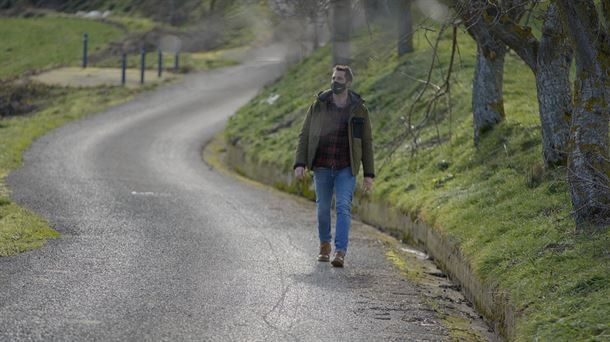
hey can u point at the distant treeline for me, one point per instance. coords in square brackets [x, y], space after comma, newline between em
[175, 12]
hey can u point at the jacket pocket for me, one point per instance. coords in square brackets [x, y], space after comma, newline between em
[357, 127]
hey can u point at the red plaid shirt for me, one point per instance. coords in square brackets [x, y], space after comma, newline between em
[333, 148]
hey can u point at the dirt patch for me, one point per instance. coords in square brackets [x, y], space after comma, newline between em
[24, 98]
[92, 77]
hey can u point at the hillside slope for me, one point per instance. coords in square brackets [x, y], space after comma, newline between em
[510, 217]
[45, 42]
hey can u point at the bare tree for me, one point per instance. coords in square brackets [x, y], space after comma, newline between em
[549, 59]
[588, 159]
[309, 12]
[315, 11]
[429, 102]
[401, 19]
[341, 31]
[487, 97]
[405, 27]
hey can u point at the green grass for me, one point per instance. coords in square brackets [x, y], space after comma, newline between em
[135, 24]
[129, 23]
[21, 230]
[510, 218]
[46, 42]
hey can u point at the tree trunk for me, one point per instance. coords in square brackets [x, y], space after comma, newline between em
[342, 25]
[588, 163]
[588, 159]
[172, 11]
[405, 28]
[550, 61]
[316, 36]
[487, 99]
[371, 8]
[554, 89]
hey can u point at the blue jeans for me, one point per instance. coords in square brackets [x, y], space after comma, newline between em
[343, 183]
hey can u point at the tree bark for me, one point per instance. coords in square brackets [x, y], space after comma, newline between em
[405, 28]
[606, 11]
[550, 61]
[487, 98]
[342, 25]
[588, 159]
[505, 27]
[316, 32]
[554, 90]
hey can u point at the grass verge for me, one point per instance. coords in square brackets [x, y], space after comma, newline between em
[509, 216]
[46, 42]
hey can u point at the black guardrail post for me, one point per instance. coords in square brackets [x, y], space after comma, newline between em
[85, 43]
[160, 64]
[123, 67]
[142, 64]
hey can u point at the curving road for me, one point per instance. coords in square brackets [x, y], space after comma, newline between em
[157, 246]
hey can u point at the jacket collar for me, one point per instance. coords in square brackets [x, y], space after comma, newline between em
[355, 98]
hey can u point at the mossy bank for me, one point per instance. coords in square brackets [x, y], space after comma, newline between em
[505, 215]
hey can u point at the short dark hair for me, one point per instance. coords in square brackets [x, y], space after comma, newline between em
[346, 69]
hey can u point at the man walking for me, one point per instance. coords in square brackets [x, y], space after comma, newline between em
[334, 140]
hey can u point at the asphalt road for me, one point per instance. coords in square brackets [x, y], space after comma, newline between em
[155, 245]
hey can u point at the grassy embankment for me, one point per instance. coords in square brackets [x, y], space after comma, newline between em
[43, 43]
[56, 40]
[510, 217]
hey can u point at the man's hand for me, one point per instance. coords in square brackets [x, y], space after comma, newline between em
[299, 172]
[368, 184]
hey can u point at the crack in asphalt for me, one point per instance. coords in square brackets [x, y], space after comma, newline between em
[279, 304]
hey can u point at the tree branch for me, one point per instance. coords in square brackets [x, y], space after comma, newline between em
[519, 38]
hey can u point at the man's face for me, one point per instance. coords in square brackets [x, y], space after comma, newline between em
[339, 76]
[339, 84]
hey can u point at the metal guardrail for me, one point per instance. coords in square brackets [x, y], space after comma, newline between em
[124, 61]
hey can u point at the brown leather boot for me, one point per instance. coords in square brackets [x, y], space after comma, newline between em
[338, 260]
[325, 248]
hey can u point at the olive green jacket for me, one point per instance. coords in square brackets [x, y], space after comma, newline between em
[359, 133]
